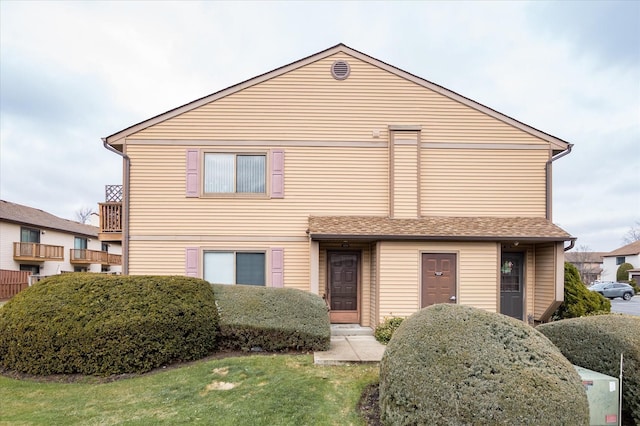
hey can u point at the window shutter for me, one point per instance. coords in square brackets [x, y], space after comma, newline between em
[277, 267]
[193, 173]
[277, 173]
[191, 261]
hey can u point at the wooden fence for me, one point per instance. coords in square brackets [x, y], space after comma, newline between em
[12, 282]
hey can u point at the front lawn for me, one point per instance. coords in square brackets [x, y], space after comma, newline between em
[251, 390]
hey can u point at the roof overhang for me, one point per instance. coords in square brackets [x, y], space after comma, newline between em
[436, 228]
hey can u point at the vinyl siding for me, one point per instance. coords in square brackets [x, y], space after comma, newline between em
[168, 258]
[309, 104]
[405, 177]
[466, 182]
[331, 181]
[545, 278]
[400, 275]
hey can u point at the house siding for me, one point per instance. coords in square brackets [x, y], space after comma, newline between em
[405, 176]
[309, 104]
[545, 273]
[400, 274]
[486, 182]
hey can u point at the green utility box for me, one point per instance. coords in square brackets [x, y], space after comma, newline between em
[603, 393]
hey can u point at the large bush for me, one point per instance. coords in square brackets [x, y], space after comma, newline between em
[596, 343]
[271, 319]
[102, 325]
[453, 364]
[578, 300]
[622, 274]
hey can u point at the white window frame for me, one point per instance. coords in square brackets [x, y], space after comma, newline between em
[234, 192]
[235, 265]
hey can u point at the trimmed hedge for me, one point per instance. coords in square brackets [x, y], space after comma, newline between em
[384, 331]
[578, 299]
[454, 364]
[101, 325]
[596, 343]
[271, 319]
[622, 274]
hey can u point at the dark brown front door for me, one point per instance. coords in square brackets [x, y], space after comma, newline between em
[343, 286]
[438, 278]
[512, 284]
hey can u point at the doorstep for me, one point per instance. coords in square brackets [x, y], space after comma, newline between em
[350, 349]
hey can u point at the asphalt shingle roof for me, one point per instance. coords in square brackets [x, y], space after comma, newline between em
[17, 213]
[628, 250]
[437, 228]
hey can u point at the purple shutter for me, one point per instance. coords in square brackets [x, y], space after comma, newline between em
[193, 175]
[277, 267]
[277, 173]
[191, 261]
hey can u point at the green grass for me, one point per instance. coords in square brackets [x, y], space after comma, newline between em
[253, 390]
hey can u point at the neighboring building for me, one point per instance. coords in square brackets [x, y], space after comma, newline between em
[43, 244]
[588, 263]
[612, 260]
[344, 176]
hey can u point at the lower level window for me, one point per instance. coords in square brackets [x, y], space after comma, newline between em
[234, 267]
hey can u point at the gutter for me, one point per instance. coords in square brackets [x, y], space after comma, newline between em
[548, 180]
[125, 205]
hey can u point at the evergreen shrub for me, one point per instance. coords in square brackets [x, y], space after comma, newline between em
[385, 330]
[271, 319]
[102, 325]
[622, 274]
[458, 365]
[596, 343]
[578, 299]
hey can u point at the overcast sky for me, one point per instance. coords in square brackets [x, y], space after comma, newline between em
[74, 72]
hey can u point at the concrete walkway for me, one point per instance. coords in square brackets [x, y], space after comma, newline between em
[350, 344]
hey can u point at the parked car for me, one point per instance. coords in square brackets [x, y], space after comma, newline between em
[613, 290]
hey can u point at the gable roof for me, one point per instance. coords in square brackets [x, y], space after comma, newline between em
[584, 256]
[628, 250]
[23, 215]
[557, 144]
[437, 228]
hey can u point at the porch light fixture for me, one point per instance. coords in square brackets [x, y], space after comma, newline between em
[345, 244]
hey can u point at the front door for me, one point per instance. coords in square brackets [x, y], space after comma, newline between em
[438, 278]
[512, 284]
[343, 286]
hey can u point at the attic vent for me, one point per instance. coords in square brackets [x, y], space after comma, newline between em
[340, 70]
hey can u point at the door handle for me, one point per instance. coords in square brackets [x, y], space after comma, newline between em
[452, 298]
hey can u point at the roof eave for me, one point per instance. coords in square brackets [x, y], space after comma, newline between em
[375, 237]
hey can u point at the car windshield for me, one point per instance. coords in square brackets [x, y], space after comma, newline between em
[598, 286]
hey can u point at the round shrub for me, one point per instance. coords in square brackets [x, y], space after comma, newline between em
[622, 274]
[101, 325]
[453, 364]
[578, 299]
[384, 331]
[596, 343]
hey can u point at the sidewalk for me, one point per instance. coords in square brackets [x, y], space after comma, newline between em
[347, 349]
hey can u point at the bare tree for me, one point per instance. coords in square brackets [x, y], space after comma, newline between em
[83, 214]
[633, 234]
[587, 262]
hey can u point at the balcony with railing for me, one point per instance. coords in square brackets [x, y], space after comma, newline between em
[111, 214]
[87, 257]
[36, 252]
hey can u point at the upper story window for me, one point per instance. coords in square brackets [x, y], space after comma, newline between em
[29, 235]
[80, 243]
[226, 173]
[620, 260]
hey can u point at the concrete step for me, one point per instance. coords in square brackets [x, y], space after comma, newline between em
[350, 330]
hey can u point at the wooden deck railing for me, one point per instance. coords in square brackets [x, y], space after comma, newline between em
[115, 259]
[37, 252]
[110, 217]
[86, 256]
[12, 282]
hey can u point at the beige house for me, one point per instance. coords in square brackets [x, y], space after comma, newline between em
[344, 176]
[42, 244]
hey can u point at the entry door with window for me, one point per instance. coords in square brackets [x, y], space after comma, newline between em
[438, 278]
[343, 287]
[512, 284]
[80, 246]
[29, 235]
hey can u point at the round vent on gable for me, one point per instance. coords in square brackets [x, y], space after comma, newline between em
[340, 70]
